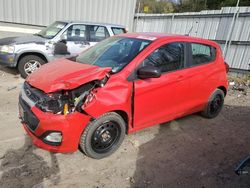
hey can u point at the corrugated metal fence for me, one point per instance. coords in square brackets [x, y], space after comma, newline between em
[214, 25]
[44, 12]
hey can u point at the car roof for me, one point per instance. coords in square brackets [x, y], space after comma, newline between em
[154, 36]
[91, 23]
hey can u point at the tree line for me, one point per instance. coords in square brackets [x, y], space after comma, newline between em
[170, 6]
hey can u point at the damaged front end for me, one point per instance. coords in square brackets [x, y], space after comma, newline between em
[64, 101]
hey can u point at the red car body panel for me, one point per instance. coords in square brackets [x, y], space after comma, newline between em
[142, 103]
[71, 126]
[64, 74]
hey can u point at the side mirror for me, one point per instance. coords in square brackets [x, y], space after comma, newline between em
[149, 72]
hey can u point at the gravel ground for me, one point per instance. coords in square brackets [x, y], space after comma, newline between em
[188, 152]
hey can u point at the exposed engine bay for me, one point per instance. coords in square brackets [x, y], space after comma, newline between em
[65, 101]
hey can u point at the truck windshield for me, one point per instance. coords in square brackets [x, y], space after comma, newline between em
[114, 52]
[52, 30]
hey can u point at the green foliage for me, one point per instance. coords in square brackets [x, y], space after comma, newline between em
[166, 6]
[215, 4]
[191, 6]
[156, 6]
[198, 5]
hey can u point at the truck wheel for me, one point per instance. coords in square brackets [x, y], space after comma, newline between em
[214, 104]
[29, 64]
[103, 136]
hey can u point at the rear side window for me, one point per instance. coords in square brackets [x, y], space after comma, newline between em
[202, 53]
[169, 57]
[118, 31]
[97, 33]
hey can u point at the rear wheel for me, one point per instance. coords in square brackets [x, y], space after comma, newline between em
[214, 104]
[29, 64]
[103, 136]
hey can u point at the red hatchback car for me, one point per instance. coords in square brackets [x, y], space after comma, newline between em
[121, 85]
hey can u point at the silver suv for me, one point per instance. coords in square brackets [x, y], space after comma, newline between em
[60, 39]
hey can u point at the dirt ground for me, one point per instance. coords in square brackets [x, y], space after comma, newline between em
[188, 152]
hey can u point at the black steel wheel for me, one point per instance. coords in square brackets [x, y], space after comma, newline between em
[214, 104]
[103, 136]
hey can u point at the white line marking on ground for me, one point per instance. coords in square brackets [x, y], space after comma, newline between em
[18, 29]
[13, 139]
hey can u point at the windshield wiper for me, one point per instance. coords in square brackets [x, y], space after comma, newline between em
[73, 58]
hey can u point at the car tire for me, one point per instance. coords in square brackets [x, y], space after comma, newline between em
[214, 104]
[29, 64]
[103, 136]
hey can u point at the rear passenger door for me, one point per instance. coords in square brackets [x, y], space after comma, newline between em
[202, 73]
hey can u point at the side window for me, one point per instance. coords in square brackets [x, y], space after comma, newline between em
[118, 31]
[202, 53]
[97, 33]
[168, 58]
[76, 33]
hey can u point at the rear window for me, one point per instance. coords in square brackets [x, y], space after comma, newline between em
[202, 53]
[118, 31]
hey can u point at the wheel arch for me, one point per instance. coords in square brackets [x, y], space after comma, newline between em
[39, 54]
[121, 113]
[223, 88]
[124, 116]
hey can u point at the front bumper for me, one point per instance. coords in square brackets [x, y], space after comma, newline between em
[7, 59]
[71, 126]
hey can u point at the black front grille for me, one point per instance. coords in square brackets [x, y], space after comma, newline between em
[33, 93]
[29, 117]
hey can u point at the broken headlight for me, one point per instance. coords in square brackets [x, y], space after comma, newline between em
[52, 103]
[65, 102]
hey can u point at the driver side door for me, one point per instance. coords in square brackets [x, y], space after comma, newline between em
[76, 39]
[157, 100]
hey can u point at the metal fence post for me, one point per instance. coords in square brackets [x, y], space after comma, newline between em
[229, 35]
[172, 20]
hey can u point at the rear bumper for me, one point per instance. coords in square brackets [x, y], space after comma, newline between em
[8, 60]
[71, 126]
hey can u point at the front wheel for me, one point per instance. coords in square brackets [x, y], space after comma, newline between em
[29, 64]
[214, 104]
[103, 136]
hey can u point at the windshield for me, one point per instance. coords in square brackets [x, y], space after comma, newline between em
[52, 30]
[115, 52]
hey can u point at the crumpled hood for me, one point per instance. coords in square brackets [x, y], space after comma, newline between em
[22, 40]
[64, 74]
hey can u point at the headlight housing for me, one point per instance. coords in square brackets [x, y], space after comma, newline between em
[53, 103]
[7, 49]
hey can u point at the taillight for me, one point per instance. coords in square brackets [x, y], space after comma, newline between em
[227, 67]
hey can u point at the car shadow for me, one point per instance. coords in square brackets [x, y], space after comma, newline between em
[23, 168]
[9, 70]
[196, 152]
